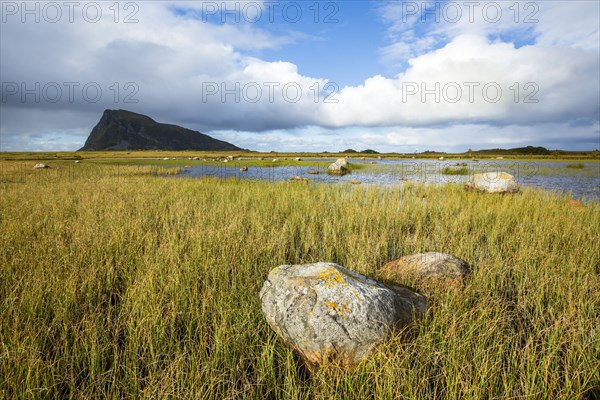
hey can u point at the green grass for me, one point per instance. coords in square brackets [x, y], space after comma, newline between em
[455, 171]
[576, 165]
[117, 283]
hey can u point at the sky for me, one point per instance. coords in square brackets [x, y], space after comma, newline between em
[393, 76]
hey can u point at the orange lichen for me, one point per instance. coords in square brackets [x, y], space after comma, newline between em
[331, 277]
[341, 310]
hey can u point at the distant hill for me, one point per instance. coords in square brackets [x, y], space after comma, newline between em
[126, 130]
[529, 150]
[367, 151]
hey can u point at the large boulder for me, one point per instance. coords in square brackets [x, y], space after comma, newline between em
[340, 167]
[40, 166]
[426, 270]
[493, 182]
[331, 314]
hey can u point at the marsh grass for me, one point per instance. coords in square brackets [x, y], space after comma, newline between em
[455, 171]
[576, 165]
[116, 283]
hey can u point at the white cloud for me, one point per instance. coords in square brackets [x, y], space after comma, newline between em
[473, 80]
[415, 28]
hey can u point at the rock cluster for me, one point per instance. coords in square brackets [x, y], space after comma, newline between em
[331, 315]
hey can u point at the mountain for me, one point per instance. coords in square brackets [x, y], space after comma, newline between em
[126, 130]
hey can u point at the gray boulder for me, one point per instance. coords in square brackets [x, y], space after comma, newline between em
[426, 269]
[40, 166]
[493, 182]
[331, 314]
[340, 167]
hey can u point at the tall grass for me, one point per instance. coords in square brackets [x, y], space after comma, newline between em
[455, 171]
[132, 285]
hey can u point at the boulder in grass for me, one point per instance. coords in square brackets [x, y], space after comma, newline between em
[493, 182]
[340, 167]
[330, 314]
[40, 166]
[426, 270]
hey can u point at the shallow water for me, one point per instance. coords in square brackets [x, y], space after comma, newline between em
[555, 176]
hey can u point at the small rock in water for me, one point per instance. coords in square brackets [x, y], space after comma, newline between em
[493, 182]
[299, 179]
[331, 314]
[40, 166]
[426, 270]
[244, 169]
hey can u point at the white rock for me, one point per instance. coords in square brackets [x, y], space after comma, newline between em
[340, 167]
[493, 182]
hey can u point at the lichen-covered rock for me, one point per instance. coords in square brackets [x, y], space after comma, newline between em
[426, 269]
[340, 167]
[493, 182]
[331, 314]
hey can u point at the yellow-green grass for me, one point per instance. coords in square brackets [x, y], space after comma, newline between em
[118, 283]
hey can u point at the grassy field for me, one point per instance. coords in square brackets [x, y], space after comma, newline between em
[119, 282]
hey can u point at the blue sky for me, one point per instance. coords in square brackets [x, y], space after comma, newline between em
[503, 74]
[338, 41]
